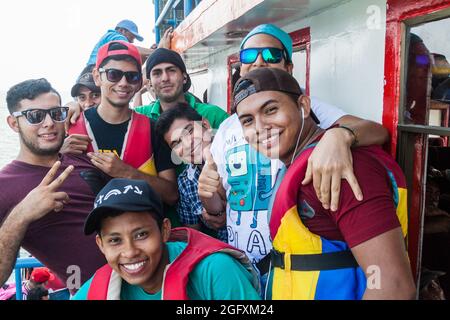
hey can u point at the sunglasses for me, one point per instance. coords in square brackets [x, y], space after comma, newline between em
[37, 116]
[114, 75]
[269, 55]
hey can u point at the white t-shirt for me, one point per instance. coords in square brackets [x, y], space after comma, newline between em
[248, 178]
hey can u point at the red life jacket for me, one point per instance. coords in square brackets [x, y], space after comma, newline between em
[137, 151]
[106, 283]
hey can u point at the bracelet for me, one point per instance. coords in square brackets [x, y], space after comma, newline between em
[355, 141]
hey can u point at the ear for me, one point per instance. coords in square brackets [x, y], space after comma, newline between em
[305, 103]
[206, 124]
[165, 230]
[99, 242]
[13, 123]
[289, 67]
[97, 78]
[184, 77]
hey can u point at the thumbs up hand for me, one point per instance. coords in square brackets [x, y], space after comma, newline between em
[209, 180]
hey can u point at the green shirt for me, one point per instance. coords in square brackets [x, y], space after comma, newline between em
[212, 113]
[217, 277]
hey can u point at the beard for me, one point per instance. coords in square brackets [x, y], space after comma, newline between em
[35, 149]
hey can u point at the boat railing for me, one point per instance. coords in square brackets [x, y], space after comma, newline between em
[23, 263]
[171, 7]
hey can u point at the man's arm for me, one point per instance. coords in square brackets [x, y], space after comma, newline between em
[39, 202]
[12, 233]
[385, 263]
[164, 184]
[331, 160]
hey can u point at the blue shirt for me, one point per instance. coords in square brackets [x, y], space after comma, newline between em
[111, 35]
[216, 277]
[189, 206]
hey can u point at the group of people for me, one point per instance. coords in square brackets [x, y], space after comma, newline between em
[287, 198]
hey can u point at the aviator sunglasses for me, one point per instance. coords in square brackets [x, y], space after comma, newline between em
[37, 116]
[269, 55]
[114, 75]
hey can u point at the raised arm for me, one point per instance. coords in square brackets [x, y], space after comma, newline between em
[40, 201]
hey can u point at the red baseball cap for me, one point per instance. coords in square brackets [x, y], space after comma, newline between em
[41, 275]
[116, 48]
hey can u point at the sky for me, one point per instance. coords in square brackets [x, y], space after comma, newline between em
[54, 38]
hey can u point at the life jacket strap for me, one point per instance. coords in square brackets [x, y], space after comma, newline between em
[264, 264]
[315, 262]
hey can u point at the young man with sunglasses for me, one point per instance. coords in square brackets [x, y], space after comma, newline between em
[248, 177]
[42, 209]
[124, 143]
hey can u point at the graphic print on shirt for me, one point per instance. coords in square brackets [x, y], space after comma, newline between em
[249, 175]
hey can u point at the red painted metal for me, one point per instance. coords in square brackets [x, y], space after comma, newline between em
[399, 11]
[302, 39]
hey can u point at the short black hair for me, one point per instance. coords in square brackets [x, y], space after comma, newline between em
[29, 89]
[120, 57]
[115, 213]
[37, 293]
[180, 111]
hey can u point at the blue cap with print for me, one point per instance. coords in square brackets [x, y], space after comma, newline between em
[275, 32]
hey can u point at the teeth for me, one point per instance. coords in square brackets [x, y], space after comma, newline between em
[134, 266]
[271, 139]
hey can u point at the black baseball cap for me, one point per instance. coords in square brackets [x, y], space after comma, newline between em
[266, 79]
[123, 195]
[85, 79]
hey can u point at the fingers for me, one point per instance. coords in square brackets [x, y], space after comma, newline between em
[325, 184]
[351, 179]
[62, 177]
[308, 175]
[335, 191]
[209, 159]
[50, 174]
[317, 180]
[61, 197]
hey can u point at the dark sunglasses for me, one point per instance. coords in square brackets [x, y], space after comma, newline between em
[114, 75]
[269, 55]
[37, 116]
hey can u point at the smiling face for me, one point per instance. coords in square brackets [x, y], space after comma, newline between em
[188, 139]
[135, 248]
[87, 98]
[271, 121]
[46, 138]
[167, 81]
[262, 40]
[117, 94]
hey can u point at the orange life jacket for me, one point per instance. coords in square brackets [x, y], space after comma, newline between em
[137, 150]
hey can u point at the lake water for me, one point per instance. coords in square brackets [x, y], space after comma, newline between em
[9, 140]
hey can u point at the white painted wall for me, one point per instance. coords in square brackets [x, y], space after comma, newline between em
[347, 56]
[218, 75]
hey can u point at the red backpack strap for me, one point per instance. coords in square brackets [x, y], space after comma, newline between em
[287, 193]
[98, 289]
[198, 247]
[138, 147]
[80, 128]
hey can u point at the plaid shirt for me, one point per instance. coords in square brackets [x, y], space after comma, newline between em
[189, 206]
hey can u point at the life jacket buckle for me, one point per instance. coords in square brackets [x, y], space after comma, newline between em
[277, 259]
